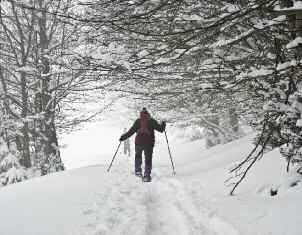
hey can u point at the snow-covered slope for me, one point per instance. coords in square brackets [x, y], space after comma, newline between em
[195, 201]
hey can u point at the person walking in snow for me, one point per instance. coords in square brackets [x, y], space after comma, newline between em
[144, 141]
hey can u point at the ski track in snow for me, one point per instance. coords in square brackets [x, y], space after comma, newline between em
[161, 207]
[169, 210]
[208, 216]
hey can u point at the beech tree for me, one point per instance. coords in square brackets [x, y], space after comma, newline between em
[191, 55]
[42, 75]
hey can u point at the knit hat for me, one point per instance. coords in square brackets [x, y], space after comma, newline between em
[144, 110]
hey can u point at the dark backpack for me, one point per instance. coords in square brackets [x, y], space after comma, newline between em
[143, 136]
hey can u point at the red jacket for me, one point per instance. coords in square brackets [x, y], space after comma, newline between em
[145, 136]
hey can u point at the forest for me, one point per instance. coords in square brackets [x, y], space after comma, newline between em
[216, 65]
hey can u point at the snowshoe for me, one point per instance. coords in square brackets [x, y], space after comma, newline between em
[147, 178]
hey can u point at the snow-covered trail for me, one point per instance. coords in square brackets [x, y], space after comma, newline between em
[171, 211]
[90, 201]
[161, 207]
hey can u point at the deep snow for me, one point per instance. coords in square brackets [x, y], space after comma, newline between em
[91, 201]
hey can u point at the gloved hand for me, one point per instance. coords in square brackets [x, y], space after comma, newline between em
[122, 138]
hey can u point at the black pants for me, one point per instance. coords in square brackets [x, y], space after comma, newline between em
[148, 151]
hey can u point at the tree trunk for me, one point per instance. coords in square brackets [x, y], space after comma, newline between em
[234, 122]
[25, 159]
[46, 103]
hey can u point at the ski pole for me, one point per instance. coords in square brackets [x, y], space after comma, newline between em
[114, 156]
[174, 173]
